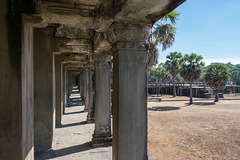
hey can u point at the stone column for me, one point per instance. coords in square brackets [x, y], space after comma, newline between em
[58, 88]
[86, 89]
[78, 81]
[69, 84]
[63, 84]
[65, 87]
[82, 86]
[102, 133]
[129, 90]
[90, 116]
[44, 99]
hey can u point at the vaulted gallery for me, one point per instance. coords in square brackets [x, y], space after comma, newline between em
[48, 47]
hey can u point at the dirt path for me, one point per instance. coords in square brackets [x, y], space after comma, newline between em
[205, 130]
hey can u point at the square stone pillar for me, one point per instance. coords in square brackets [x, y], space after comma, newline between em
[82, 86]
[129, 90]
[102, 133]
[86, 89]
[90, 116]
[69, 84]
[63, 86]
[65, 92]
[58, 89]
[44, 88]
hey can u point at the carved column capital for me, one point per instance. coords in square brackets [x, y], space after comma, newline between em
[124, 35]
[89, 65]
[102, 58]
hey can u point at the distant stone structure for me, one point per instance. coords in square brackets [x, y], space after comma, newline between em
[182, 89]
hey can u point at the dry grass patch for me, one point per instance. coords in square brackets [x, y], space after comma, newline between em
[204, 130]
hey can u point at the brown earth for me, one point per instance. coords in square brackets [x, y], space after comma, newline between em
[204, 130]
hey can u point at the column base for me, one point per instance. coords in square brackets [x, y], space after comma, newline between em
[58, 125]
[90, 120]
[85, 109]
[101, 140]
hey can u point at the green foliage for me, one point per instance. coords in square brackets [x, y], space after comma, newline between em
[234, 72]
[164, 30]
[173, 63]
[163, 75]
[159, 74]
[180, 79]
[163, 33]
[172, 16]
[216, 76]
[192, 66]
[235, 76]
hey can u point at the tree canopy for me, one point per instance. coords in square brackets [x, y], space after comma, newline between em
[192, 66]
[191, 69]
[216, 76]
[159, 74]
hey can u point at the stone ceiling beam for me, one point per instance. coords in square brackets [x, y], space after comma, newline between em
[147, 12]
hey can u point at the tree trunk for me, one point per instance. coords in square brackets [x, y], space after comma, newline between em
[216, 96]
[191, 101]
[174, 87]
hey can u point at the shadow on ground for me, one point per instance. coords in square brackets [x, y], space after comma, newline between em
[153, 99]
[166, 108]
[62, 152]
[202, 103]
[73, 112]
[73, 124]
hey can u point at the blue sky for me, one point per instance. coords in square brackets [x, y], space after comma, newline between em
[210, 28]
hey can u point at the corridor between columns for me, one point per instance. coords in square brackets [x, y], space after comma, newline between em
[72, 141]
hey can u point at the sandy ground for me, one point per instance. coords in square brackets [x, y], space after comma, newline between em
[204, 130]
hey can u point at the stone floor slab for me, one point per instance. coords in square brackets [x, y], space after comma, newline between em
[72, 141]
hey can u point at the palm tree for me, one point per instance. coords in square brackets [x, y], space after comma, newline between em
[163, 34]
[191, 69]
[217, 74]
[163, 75]
[173, 66]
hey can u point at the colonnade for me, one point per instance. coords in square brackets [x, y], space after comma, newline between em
[46, 44]
[54, 79]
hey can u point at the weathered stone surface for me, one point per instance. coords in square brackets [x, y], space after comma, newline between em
[129, 94]
[86, 89]
[65, 31]
[44, 89]
[102, 133]
[100, 43]
[91, 114]
[11, 115]
[58, 82]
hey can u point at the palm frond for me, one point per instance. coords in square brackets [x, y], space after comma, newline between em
[172, 16]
